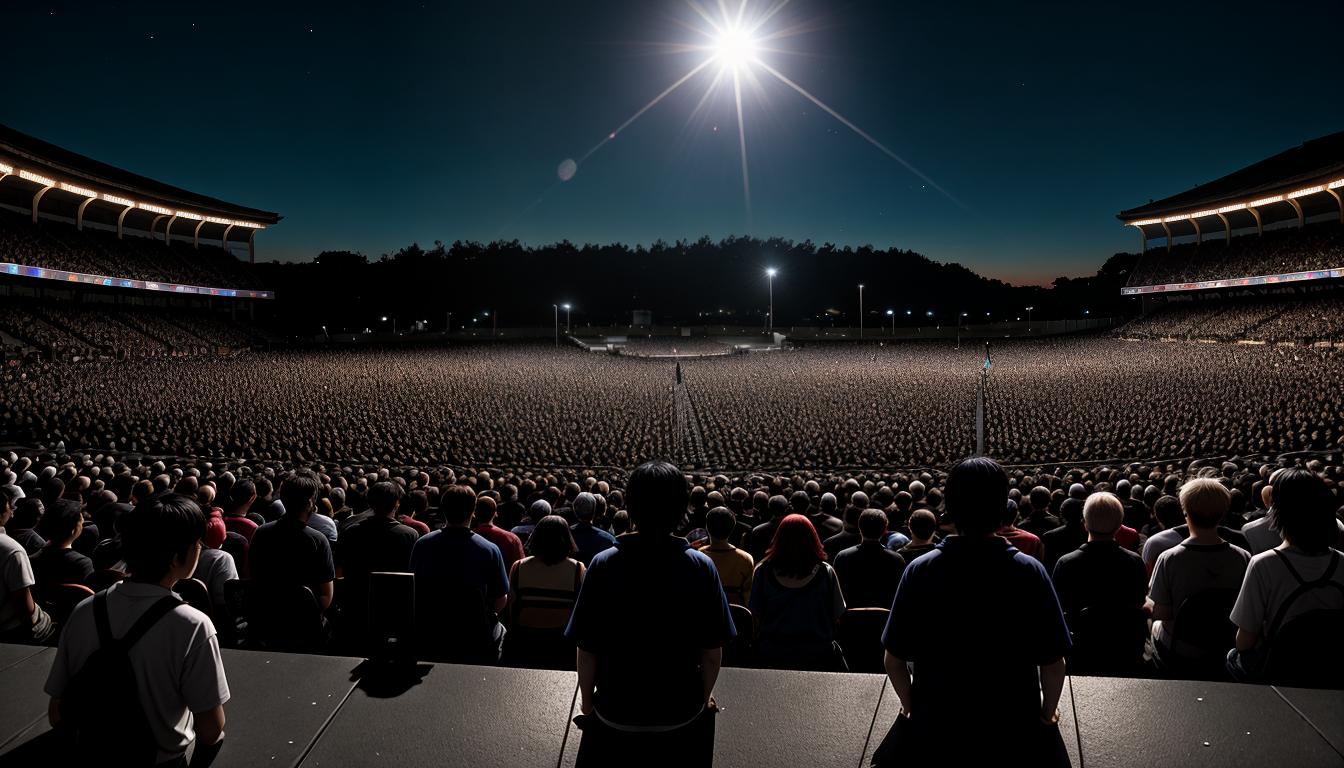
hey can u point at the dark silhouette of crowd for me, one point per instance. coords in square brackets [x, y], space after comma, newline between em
[1276, 252]
[67, 332]
[1295, 319]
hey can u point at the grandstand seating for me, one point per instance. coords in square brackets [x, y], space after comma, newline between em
[1271, 319]
[1282, 251]
[64, 331]
[58, 245]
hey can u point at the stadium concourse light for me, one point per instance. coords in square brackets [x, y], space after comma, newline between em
[770, 273]
[860, 310]
[1029, 318]
[556, 307]
[892, 314]
[567, 307]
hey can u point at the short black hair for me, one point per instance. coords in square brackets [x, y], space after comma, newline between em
[28, 513]
[656, 496]
[298, 491]
[241, 492]
[1302, 510]
[457, 504]
[551, 541]
[162, 527]
[720, 522]
[975, 493]
[383, 497]
[923, 523]
[872, 523]
[63, 520]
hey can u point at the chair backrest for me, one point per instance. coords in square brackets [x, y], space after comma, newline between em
[1203, 621]
[859, 634]
[390, 613]
[60, 599]
[104, 578]
[197, 595]
[738, 653]
[284, 617]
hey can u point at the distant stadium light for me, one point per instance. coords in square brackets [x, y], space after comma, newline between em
[78, 190]
[1266, 201]
[891, 311]
[154, 208]
[188, 215]
[43, 180]
[771, 272]
[6, 168]
[1293, 195]
[118, 200]
[1307, 191]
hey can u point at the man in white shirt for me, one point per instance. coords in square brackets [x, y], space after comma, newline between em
[21, 620]
[180, 683]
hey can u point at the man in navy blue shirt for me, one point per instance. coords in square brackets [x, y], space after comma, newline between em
[460, 587]
[650, 624]
[981, 625]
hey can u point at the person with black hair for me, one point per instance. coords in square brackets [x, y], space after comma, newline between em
[973, 586]
[734, 565]
[57, 563]
[650, 624]
[1301, 575]
[288, 551]
[923, 526]
[181, 686]
[869, 571]
[28, 513]
[238, 517]
[544, 585]
[379, 542]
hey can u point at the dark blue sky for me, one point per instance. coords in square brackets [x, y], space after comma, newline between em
[371, 125]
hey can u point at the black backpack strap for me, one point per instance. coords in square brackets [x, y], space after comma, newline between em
[101, 621]
[148, 619]
[1303, 586]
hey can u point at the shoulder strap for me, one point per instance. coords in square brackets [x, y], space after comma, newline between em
[1303, 587]
[101, 621]
[147, 620]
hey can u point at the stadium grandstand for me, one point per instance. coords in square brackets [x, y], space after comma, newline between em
[96, 261]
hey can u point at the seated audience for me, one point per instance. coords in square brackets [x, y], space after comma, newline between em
[734, 565]
[287, 552]
[796, 600]
[57, 563]
[483, 524]
[869, 572]
[923, 527]
[589, 538]
[22, 620]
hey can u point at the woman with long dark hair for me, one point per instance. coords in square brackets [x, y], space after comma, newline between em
[542, 591]
[796, 599]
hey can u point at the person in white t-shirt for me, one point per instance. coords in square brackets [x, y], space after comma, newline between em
[179, 673]
[1302, 515]
[21, 619]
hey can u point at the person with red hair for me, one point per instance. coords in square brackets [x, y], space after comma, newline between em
[796, 599]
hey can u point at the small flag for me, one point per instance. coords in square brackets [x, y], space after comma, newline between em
[988, 364]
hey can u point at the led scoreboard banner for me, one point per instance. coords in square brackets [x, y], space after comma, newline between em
[1235, 282]
[22, 270]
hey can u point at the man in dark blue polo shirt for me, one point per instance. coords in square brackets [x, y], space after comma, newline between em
[980, 623]
[460, 587]
[650, 624]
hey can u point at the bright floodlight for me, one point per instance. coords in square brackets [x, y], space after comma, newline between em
[565, 307]
[735, 48]
[771, 272]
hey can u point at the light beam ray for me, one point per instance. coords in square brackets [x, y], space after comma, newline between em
[856, 129]
[694, 71]
[769, 14]
[742, 146]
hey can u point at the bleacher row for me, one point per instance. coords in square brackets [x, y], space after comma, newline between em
[1282, 251]
[292, 709]
[57, 245]
[66, 331]
[1309, 320]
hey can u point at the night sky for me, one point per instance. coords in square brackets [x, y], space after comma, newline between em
[371, 125]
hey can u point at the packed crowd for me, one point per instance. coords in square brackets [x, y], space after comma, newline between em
[666, 345]
[57, 245]
[1222, 570]
[71, 332]
[1299, 320]
[531, 406]
[1280, 251]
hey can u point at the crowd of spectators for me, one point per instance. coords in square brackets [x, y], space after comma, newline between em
[650, 346]
[57, 245]
[71, 332]
[528, 406]
[1279, 251]
[1305, 320]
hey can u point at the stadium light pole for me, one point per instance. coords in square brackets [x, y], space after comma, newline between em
[568, 327]
[770, 273]
[860, 310]
[556, 307]
[892, 314]
[1029, 318]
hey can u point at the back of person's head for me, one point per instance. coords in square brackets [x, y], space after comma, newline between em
[916, 490]
[1039, 498]
[620, 522]
[1168, 512]
[720, 521]
[1204, 502]
[215, 530]
[795, 549]
[415, 503]
[63, 521]
[585, 507]
[1103, 513]
[1009, 512]
[485, 511]
[242, 492]
[298, 491]
[779, 507]
[551, 540]
[457, 504]
[28, 512]
[1303, 510]
[159, 531]
[799, 502]
[872, 524]
[828, 503]
[1072, 511]
[975, 494]
[384, 497]
[655, 495]
[904, 501]
[337, 496]
[923, 523]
